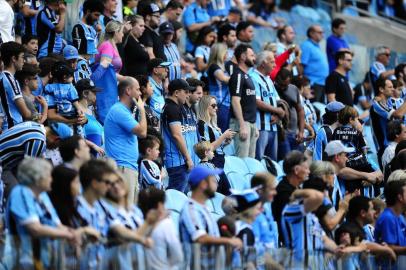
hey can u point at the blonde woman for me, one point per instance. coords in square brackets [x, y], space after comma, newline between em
[108, 65]
[218, 83]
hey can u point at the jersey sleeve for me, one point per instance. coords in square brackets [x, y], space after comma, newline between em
[199, 52]
[49, 19]
[377, 69]
[192, 222]
[189, 17]
[383, 111]
[22, 207]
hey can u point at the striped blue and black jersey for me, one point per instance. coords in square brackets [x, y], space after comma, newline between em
[190, 131]
[323, 136]
[380, 113]
[9, 92]
[31, 22]
[27, 138]
[82, 71]
[172, 55]
[49, 41]
[84, 38]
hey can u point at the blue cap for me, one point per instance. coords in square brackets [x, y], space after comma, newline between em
[62, 130]
[335, 106]
[199, 173]
[245, 199]
[70, 52]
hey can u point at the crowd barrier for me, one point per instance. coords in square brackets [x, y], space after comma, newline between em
[55, 254]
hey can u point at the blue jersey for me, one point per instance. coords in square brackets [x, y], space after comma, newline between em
[301, 231]
[218, 88]
[84, 38]
[203, 52]
[157, 100]
[266, 92]
[150, 174]
[190, 132]
[369, 233]
[323, 136]
[25, 139]
[49, 41]
[9, 92]
[31, 22]
[193, 14]
[377, 68]
[265, 228]
[390, 228]
[172, 55]
[380, 113]
[396, 104]
[219, 8]
[334, 44]
[314, 62]
[61, 96]
[82, 71]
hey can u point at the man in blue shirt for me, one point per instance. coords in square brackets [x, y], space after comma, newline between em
[314, 61]
[174, 126]
[196, 223]
[12, 101]
[219, 8]
[158, 71]
[171, 51]
[121, 131]
[50, 25]
[335, 42]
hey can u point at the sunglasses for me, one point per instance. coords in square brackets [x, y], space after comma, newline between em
[214, 106]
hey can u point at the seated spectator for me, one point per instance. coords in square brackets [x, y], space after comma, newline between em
[150, 170]
[245, 32]
[227, 35]
[172, 11]
[396, 134]
[336, 42]
[146, 93]
[369, 229]
[260, 14]
[205, 152]
[74, 151]
[171, 51]
[378, 67]
[204, 41]
[30, 43]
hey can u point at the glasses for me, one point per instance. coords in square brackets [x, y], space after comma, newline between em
[214, 106]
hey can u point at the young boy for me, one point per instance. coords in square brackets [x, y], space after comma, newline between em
[63, 99]
[396, 100]
[150, 171]
[27, 78]
[30, 43]
[204, 152]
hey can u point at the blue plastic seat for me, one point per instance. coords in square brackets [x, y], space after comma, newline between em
[235, 164]
[320, 106]
[254, 165]
[229, 150]
[214, 205]
[238, 181]
[175, 200]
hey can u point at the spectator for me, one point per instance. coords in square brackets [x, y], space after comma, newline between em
[150, 39]
[129, 7]
[105, 71]
[178, 158]
[158, 72]
[6, 21]
[204, 151]
[122, 132]
[172, 12]
[286, 36]
[219, 8]
[30, 213]
[171, 50]
[378, 67]
[234, 16]
[227, 35]
[55, 132]
[260, 14]
[369, 229]
[50, 27]
[396, 100]
[268, 114]
[71, 57]
[196, 225]
[325, 133]
[178, 28]
[363, 94]
[46, 65]
[168, 253]
[245, 32]
[109, 10]
[204, 41]
[400, 74]
[146, 93]
[337, 86]
[195, 18]
[74, 152]
[314, 61]
[13, 105]
[218, 80]
[135, 53]
[30, 44]
[396, 134]
[150, 170]
[336, 42]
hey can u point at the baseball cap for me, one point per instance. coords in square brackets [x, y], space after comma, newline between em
[336, 147]
[70, 52]
[199, 173]
[166, 28]
[86, 84]
[62, 130]
[245, 199]
[157, 62]
[179, 84]
[147, 9]
[335, 106]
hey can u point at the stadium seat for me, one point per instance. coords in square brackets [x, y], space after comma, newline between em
[238, 181]
[235, 164]
[214, 204]
[175, 200]
[320, 107]
[229, 150]
[253, 165]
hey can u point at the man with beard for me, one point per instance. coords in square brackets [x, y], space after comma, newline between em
[150, 39]
[286, 36]
[228, 36]
[243, 103]
[109, 9]
[196, 223]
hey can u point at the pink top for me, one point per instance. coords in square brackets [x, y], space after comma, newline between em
[106, 49]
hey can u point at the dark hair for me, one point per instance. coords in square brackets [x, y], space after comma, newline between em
[174, 4]
[148, 142]
[356, 205]
[68, 146]
[224, 30]
[93, 6]
[399, 161]
[226, 226]
[399, 69]
[392, 190]
[283, 74]
[46, 65]
[346, 114]
[300, 81]
[309, 31]
[241, 26]
[123, 85]
[291, 160]
[10, 49]
[94, 169]
[203, 33]
[394, 128]
[380, 83]
[61, 197]
[340, 55]
[282, 31]
[242, 48]
[336, 23]
[28, 70]
[329, 117]
[142, 80]
[27, 38]
[149, 199]
[195, 83]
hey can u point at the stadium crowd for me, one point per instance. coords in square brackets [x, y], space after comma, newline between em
[98, 127]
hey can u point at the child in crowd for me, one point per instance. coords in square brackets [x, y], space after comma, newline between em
[30, 43]
[369, 229]
[27, 78]
[396, 99]
[150, 171]
[205, 153]
[63, 99]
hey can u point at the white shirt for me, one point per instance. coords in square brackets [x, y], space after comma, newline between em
[6, 22]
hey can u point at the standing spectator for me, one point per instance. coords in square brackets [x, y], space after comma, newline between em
[122, 132]
[172, 12]
[12, 102]
[150, 39]
[146, 93]
[337, 86]
[400, 74]
[378, 67]
[109, 10]
[218, 80]
[396, 134]
[227, 35]
[219, 8]
[50, 27]
[363, 94]
[336, 42]
[314, 61]
[6, 21]
[135, 53]
[286, 36]
[267, 111]
[177, 158]
[105, 71]
[158, 71]
[245, 32]
[30, 11]
[195, 18]
[196, 223]
[243, 103]
[30, 44]
[171, 50]
[74, 152]
[204, 41]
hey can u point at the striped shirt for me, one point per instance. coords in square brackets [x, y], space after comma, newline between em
[323, 136]
[380, 113]
[10, 91]
[172, 55]
[27, 138]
